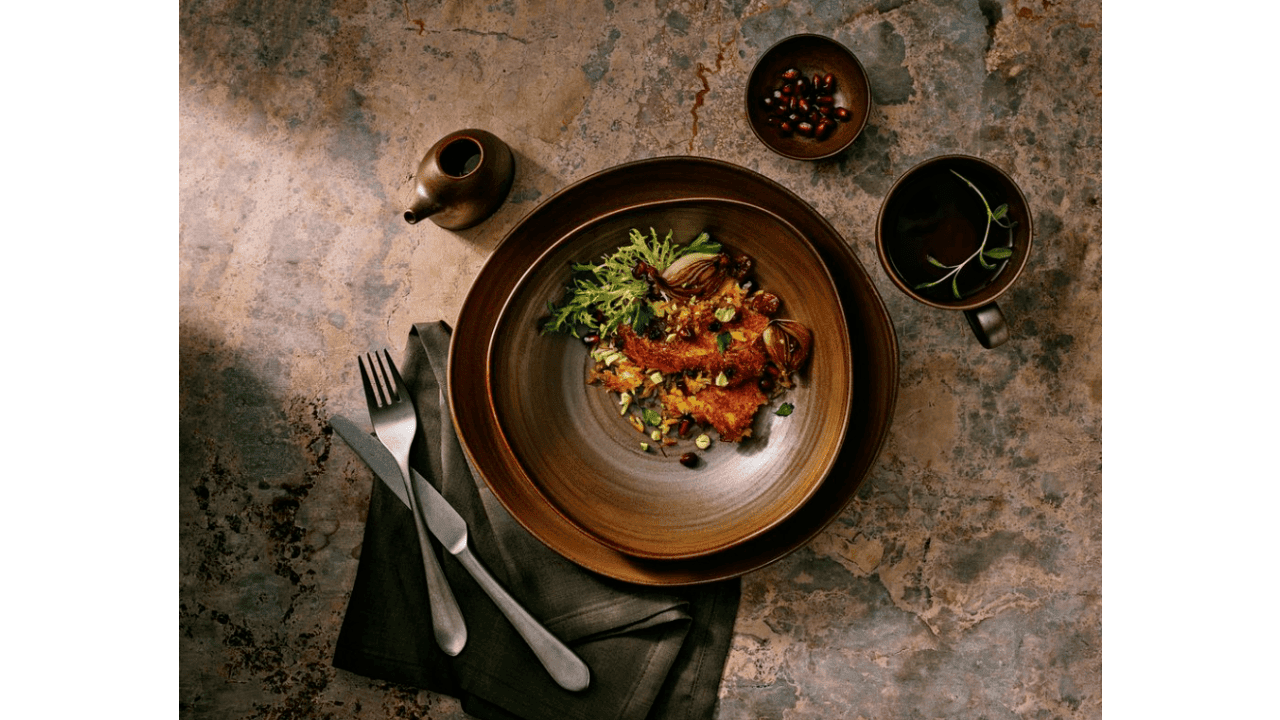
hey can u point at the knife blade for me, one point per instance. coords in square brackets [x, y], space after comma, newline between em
[373, 453]
[442, 520]
[450, 528]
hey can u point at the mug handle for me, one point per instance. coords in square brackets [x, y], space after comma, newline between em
[988, 324]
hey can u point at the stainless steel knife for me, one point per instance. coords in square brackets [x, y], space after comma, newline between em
[565, 667]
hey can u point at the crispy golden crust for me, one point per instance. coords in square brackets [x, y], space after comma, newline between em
[709, 368]
[742, 360]
[729, 410]
[623, 378]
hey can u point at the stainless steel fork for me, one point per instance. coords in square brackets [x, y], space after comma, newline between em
[395, 423]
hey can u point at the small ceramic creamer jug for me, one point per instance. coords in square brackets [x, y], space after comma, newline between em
[462, 180]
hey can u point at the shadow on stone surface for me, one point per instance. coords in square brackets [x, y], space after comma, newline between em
[269, 529]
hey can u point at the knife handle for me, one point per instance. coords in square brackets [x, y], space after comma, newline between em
[566, 668]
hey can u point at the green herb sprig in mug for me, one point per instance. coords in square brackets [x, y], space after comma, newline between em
[999, 216]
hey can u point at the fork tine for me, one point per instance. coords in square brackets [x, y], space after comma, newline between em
[401, 390]
[375, 359]
[384, 377]
[368, 385]
[379, 378]
[381, 383]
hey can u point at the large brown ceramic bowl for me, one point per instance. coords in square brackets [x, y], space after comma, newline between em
[584, 457]
[872, 338]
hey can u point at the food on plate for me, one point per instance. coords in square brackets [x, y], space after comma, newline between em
[683, 336]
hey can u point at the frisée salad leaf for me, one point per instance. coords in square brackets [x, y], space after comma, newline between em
[602, 297]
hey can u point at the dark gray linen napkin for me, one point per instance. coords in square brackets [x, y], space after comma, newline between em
[653, 652]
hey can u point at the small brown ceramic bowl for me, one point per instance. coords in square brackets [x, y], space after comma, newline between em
[588, 461]
[807, 56]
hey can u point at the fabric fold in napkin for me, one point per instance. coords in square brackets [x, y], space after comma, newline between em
[653, 652]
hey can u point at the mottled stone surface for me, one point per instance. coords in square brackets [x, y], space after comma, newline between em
[963, 581]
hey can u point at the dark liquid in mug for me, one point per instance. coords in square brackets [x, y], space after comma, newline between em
[937, 214]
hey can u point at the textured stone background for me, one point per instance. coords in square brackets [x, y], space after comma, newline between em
[964, 581]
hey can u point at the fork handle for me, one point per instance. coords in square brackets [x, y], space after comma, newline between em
[566, 668]
[446, 617]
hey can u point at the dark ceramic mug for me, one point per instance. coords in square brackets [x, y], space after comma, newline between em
[931, 226]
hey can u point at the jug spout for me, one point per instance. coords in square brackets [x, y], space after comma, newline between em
[422, 207]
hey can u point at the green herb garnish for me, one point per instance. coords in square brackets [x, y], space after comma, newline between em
[723, 340]
[999, 216]
[652, 417]
[605, 296]
[784, 409]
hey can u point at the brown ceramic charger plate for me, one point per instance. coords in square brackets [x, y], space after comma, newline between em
[585, 458]
[872, 341]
